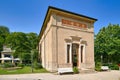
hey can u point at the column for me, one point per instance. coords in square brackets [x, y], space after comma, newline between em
[12, 58]
[54, 49]
[2, 55]
[79, 55]
[70, 53]
[83, 53]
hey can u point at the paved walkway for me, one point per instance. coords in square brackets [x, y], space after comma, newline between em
[112, 75]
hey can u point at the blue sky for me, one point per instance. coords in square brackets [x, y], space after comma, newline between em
[28, 15]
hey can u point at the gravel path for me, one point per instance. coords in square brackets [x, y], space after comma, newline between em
[111, 75]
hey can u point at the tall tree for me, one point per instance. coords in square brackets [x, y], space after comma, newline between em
[107, 44]
[33, 41]
[22, 43]
[4, 31]
[19, 42]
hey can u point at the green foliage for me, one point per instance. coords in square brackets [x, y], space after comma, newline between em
[37, 65]
[107, 44]
[98, 66]
[1, 43]
[75, 70]
[23, 70]
[35, 55]
[4, 31]
[20, 65]
[8, 65]
[33, 39]
[18, 41]
[114, 66]
[26, 58]
[22, 44]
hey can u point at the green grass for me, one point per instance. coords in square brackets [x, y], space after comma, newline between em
[24, 70]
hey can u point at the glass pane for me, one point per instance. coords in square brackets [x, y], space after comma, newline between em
[68, 52]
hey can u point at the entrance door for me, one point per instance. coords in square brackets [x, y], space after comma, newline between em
[75, 55]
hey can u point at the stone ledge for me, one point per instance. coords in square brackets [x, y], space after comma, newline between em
[13, 68]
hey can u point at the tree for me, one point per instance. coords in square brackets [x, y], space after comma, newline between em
[33, 41]
[23, 43]
[4, 31]
[19, 42]
[1, 43]
[107, 44]
[26, 57]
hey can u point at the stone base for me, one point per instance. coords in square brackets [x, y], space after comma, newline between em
[84, 70]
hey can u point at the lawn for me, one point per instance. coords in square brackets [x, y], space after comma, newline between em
[24, 70]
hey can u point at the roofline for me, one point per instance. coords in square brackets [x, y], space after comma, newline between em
[51, 7]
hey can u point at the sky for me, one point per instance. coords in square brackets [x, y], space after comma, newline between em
[28, 15]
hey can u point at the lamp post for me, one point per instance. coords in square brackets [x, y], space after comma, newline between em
[101, 59]
[31, 60]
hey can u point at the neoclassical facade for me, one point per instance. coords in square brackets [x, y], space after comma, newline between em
[66, 40]
[7, 55]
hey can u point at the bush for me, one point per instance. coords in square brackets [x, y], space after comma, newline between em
[1, 65]
[114, 67]
[8, 65]
[75, 70]
[37, 65]
[27, 64]
[98, 66]
[20, 65]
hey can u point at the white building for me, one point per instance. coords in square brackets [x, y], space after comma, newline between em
[6, 55]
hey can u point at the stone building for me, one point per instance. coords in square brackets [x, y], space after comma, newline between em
[66, 40]
[7, 55]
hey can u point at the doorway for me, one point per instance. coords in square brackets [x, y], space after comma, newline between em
[75, 54]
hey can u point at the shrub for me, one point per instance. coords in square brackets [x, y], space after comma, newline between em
[20, 65]
[105, 64]
[37, 65]
[114, 67]
[8, 65]
[98, 66]
[1, 65]
[75, 70]
[27, 64]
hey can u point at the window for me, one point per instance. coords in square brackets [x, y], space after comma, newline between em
[68, 53]
[7, 55]
[82, 53]
[75, 55]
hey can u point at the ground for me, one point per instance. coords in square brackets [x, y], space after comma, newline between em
[110, 75]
